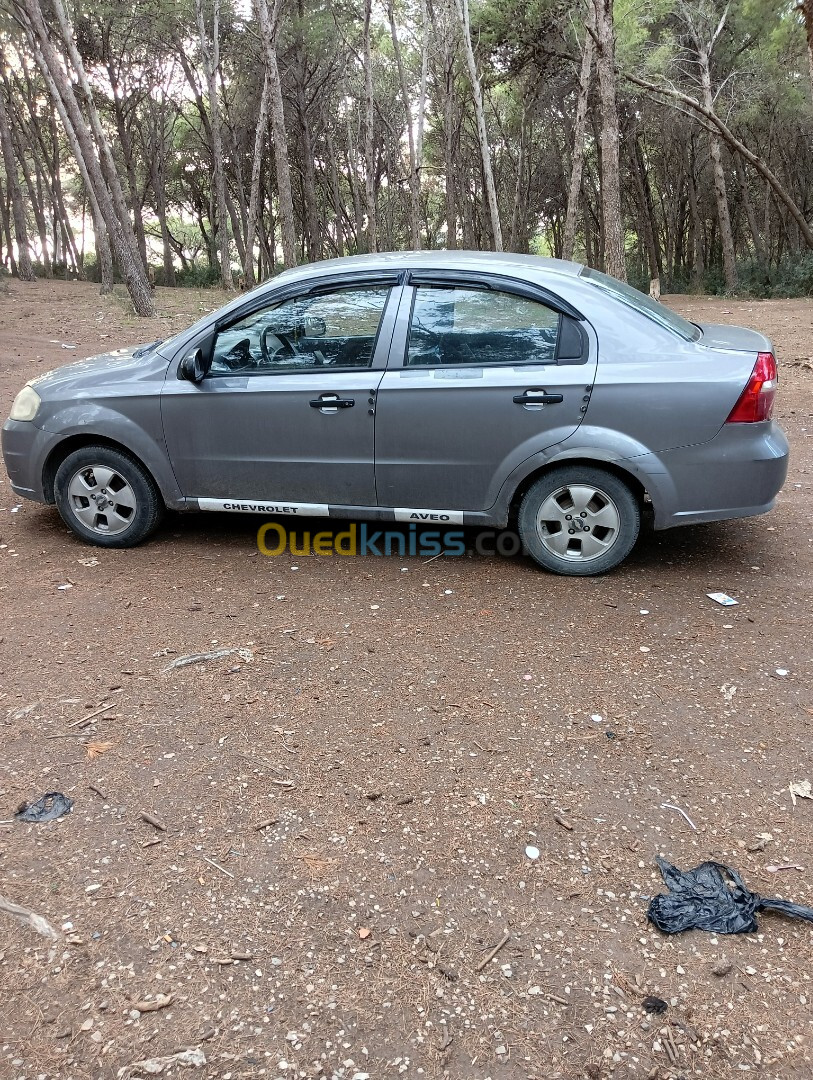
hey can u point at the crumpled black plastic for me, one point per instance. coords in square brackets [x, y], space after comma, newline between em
[51, 806]
[712, 897]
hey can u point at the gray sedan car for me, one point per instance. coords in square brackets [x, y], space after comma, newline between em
[457, 388]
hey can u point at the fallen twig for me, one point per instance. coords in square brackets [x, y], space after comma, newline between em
[156, 824]
[683, 814]
[490, 956]
[265, 824]
[29, 918]
[96, 712]
[217, 866]
[96, 791]
[154, 1004]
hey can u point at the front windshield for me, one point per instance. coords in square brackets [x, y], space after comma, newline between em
[643, 303]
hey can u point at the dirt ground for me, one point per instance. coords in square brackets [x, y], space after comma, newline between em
[347, 802]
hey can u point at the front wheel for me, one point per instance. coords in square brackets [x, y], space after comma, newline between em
[107, 497]
[579, 521]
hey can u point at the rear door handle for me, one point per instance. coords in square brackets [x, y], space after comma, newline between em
[332, 403]
[537, 397]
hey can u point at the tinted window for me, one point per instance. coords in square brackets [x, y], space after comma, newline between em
[643, 303]
[477, 326]
[335, 329]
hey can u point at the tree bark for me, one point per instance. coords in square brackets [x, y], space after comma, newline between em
[414, 177]
[103, 153]
[253, 200]
[482, 133]
[750, 215]
[718, 172]
[210, 53]
[123, 240]
[806, 8]
[313, 228]
[25, 270]
[369, 133]
[579, 129]
[448, 148]
[269, 30]
[610, 165]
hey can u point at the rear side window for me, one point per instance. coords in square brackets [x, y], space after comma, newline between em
[453, 326]
[644, 304]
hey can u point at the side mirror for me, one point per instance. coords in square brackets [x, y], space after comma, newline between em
[194, 367]
[315, 326]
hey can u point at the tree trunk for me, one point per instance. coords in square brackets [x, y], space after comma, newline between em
[253, 201]
[806, 8]
[335, 189]
[269, 29]
[126, 144]
[720, 193]
[610, 166]
[449, 162]
[313, 228]
[210, 52]
[25, 271]
[127, 255]
[422, 101]
[369, 133]
[750, 215]
[414, 177]
[579, 128]
[646, 213]
[103, 154]
[482, 134]
[516, 240]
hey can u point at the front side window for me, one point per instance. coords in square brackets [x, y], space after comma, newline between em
[453, 326]
[334, 330]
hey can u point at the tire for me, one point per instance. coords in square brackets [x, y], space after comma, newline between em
[579, 521]
[107, 497]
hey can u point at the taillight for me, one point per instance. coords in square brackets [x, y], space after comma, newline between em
[756, 401]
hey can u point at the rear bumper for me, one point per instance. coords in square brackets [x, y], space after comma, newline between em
[737, 474]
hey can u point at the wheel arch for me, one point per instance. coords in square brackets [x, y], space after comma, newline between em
[619, 472]
[77, 442]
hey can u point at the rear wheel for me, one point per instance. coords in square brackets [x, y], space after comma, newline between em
[579, 521]
[107, 497]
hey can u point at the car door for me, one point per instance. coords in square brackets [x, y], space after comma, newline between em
[481, 377]
[285, 414]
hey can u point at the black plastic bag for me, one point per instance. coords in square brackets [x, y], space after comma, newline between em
[712, 897]
[48, 808]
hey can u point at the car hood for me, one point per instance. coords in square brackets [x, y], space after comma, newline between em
[738, 338]
[133, 364]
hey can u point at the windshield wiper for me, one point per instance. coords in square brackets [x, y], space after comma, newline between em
[144, 349]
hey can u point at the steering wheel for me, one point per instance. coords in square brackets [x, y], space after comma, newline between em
[287, 349]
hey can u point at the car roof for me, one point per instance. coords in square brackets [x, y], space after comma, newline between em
[488, 261]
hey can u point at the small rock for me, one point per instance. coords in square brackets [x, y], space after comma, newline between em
[532, 852]
[721, 968]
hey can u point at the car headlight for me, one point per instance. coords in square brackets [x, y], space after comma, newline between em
[25, 404]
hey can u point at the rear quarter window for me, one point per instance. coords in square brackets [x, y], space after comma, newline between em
[643, 304]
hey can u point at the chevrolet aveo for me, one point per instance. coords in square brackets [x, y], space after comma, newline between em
[457, 388]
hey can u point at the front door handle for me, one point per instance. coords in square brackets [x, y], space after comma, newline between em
[332, 403]
[537, 397]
